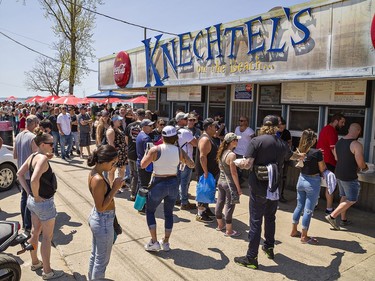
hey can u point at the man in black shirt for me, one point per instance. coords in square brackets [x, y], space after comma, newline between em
[263, 150]
[55, 130]
[131, 133]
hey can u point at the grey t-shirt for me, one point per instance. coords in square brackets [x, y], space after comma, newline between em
[23, 147]
[83, 128]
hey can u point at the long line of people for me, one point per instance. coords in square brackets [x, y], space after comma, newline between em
[160, 158]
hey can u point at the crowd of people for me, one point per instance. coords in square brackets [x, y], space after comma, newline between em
[160, 154]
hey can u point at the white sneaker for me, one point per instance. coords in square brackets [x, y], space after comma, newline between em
[152, 247]
[164, 246]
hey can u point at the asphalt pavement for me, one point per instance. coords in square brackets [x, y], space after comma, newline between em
[198, 251]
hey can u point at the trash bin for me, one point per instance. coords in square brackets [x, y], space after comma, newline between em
[6, 132]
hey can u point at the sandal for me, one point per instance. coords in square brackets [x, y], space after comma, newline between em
[37, 266]
[233, 234]
[53, 274]
[311, 241]
[298, 234]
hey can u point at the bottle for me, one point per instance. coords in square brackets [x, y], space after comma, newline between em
[140, 200]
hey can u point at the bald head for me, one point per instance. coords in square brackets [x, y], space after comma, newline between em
[354, 130]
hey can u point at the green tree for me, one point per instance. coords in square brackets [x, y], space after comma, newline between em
[73, 25]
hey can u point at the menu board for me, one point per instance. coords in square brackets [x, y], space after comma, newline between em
[269, 94]
[217, 93]
[184, 93]
[347, 92]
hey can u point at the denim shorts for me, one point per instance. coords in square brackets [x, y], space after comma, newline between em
[349, 189]
[45, 210]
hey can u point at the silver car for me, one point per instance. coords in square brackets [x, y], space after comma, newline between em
[8, 168]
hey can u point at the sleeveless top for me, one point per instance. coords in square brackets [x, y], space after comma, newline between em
[346, 167]
[225, 173]
[106, 183]
[212, 165]
[47, 182]
[120, 146]
[168, 161]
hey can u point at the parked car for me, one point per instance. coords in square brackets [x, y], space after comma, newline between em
[8, 168]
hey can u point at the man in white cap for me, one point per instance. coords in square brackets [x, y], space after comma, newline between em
[187, 142]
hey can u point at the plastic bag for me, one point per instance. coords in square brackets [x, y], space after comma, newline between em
[206, 189]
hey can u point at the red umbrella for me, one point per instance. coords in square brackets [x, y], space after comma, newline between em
[140, 99]
[11, 98]
[34, 99]
[69, 100]
[112, 100]
[88, 100]
[49, 98]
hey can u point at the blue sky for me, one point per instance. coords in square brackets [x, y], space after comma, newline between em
[26, 24]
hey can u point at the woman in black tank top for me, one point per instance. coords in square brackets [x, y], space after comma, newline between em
[40, 201]
[102, 216]
[308, 185]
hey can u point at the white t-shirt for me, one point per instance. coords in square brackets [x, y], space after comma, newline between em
[185, 136]
[64, 121]
[243, 143]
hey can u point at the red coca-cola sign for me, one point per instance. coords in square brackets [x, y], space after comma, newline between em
[122, 69]
[373, 31]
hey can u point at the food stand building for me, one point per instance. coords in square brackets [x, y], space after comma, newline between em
[304, 63]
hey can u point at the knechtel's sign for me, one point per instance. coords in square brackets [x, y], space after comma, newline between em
[254, 45]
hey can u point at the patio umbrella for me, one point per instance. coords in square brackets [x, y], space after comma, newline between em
[109, 94]
[11, 98]
[69, 100]
[140, 99]
[34, 99]
[112, 100]
[49, 98]
[88, 100]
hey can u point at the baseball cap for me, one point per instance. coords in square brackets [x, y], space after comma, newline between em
[146, 122]
[181, 115]
[82, 107]
[231, 137]
[271, 120]
[169, 131]
[209, 121]
[116, 117]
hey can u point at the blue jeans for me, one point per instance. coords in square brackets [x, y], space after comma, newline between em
[101, 224]
[75, 139]
[56, 141]
[45, 210]
[261, 207]
[308, 189]
[65, 140]
[163, 188]
[25, 212]
[184, 179]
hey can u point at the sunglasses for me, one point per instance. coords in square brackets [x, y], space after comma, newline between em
[63, 108]
[191, 120]
[161, 124]
[242, 120]
[50, 143]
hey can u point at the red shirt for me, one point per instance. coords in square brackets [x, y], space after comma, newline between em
[22, 124]
[328, 137]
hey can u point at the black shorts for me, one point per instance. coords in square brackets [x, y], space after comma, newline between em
[84, 139]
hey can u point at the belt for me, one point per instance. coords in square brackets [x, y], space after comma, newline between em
[165, 177]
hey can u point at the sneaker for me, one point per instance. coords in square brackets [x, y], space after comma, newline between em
[332, 222]
[269, 252]
[132, 198]
[209, 213]
[188, 206]
[68, 157]
[203, 218]
[53, 274]
[247, 262]
[345, 223]
[152, 246]
[121, 190]
[328, 212]
[177, 203]
[164, 246]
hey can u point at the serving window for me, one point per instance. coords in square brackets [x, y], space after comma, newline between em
[352, 115]
[303, 117]
[264, 110]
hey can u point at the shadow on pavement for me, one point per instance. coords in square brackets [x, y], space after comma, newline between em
[297, 270]
[60, 238]
[194, 260]
[5, 215]
[14, 190]
[347, 246]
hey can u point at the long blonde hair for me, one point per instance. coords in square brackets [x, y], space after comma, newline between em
[307, 140]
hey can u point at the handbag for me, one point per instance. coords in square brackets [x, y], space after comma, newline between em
[116, 226]
[206, 189]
